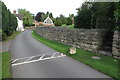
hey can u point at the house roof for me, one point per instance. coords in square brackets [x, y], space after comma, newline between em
[19, 16]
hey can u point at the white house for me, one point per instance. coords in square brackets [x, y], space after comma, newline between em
[48, 21]
[20, 21]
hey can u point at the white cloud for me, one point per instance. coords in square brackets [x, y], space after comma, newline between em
[57, 7]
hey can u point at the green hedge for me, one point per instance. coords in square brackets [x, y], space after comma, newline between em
[9, 22]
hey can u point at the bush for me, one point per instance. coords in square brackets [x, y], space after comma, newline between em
[4, 36]
[58, 22]
[32, 25]
[69, 21]
[27, 27]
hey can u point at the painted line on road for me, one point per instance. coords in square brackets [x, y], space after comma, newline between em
[24, 58]
[29, 59]
[41, 57]
[36, 60]
[15, 60]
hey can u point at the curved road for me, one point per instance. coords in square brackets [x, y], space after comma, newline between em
[24, 45]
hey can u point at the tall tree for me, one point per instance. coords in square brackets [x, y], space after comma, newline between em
[39, 16]
[83, 18]
[9, 22]
[95, 15]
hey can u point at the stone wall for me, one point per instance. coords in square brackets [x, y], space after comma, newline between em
[116, 44]
[87, 39]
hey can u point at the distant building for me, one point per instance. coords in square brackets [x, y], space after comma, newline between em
[47, 22]
[20, 21]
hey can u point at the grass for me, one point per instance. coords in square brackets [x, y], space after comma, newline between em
[106, 65]
[5, 65]
[12, 36]
[70, 26]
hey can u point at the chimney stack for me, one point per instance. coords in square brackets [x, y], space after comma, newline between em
[14, 12]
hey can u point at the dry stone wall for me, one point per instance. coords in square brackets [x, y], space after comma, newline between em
[116, 44]
[87, 39]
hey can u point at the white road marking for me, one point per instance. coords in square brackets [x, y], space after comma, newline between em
[40, 59]
[54, 54]
[31, 58]
[62, 54]
[27, 58]
[15, 60]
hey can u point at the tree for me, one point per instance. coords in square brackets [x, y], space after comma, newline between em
[63, 19]
[9, 22]
[39, 17]
[69, 21]
[58, 22]
[27, 17]
[95, 15]
[83, 18]
[104, 14]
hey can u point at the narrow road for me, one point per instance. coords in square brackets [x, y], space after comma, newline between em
[25, 45]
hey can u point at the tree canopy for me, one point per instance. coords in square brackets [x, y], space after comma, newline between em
[39, 16]
[96, 15]
[27, 17]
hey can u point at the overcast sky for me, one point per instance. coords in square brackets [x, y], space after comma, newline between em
[57, 7]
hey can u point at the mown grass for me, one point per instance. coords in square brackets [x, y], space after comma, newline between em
[5, 65]
[70, 26]
[106, 65]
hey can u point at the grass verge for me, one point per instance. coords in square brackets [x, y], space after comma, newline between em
[5, 65]
[106, 65]
[12, 36]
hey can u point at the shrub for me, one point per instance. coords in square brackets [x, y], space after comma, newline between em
[58, 22]
[4, 36]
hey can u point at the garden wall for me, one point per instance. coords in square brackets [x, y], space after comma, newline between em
[87, 39]
[116, 44]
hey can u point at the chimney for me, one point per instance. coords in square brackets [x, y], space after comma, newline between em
[14, 12]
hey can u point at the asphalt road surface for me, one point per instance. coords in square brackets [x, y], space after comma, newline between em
[24, 45]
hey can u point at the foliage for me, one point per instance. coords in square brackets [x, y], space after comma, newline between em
[9, 22]
[91, 15]
[38, 17]
[117, 16]
[82, 20]
[11, 37]
[4, 36]
[41, 16]
[69, 21]
[27, 17]
[107, 65]
[58, 22]
[64, 20]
